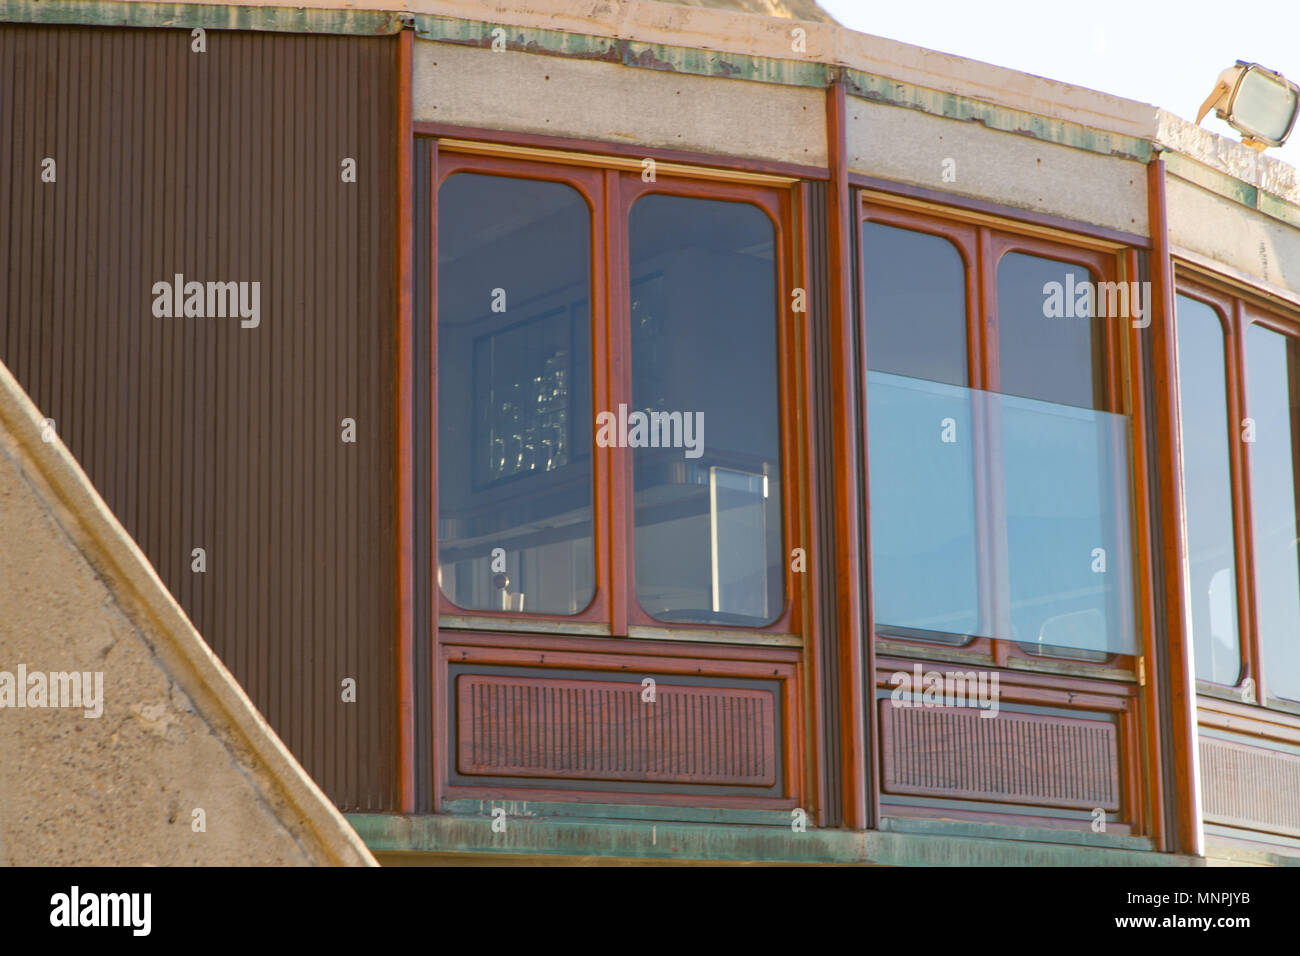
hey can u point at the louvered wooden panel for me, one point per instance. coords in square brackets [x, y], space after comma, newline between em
[1010, 758]
[1252, 787]
[601, 730]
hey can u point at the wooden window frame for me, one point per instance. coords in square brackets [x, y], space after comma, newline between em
[981, 242]
[610, 185]
[1237, 309]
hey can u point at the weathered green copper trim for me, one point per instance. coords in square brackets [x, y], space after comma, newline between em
[961, 829]
[878, 89]
[577, 839]
[616, 811]
[187, 16]
[675, 59]
[1278, 208]
[651, 56]
[1209, 179]
[1223, 846]
[519, 39]
[1231, 188]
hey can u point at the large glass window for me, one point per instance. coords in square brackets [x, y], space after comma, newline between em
[921, 448]
[1062, 460]
[514, 395]
[1207, 492]
[707, 486]
[1273, 404]
[999, 512]
[610, 399]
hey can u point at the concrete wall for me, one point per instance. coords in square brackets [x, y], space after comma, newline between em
[470, 86]
[176, 732]
[909, 146]
[1230, 234]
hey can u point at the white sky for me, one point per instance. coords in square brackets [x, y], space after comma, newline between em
[1165, 52]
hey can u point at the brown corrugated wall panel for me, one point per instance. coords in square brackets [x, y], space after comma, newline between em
[829, 530]
[224, 166]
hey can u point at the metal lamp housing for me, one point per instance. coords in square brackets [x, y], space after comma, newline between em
[1262, 105]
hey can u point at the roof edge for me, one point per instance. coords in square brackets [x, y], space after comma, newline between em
[215, 694]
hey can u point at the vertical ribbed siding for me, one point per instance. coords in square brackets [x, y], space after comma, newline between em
[225, 166]
[1248, 786]
[595, 730]
[1016, 758]
[829, 527]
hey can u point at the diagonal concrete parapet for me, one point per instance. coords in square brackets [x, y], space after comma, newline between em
[178, 767]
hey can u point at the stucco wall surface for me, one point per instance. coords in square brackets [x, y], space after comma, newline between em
[176, 733]
[467, 86]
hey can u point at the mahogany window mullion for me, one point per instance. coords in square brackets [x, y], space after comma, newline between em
[617, 376]
[982, 305]
[991, 504]
[1242, 480]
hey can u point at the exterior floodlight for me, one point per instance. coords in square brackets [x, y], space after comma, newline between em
[1257, 102]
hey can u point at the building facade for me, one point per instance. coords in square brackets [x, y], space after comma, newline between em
[669, 433]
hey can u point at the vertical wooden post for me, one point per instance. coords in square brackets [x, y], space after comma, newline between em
[857, 669]
[405, 478]
[1185, 769]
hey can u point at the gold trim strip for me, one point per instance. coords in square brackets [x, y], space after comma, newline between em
[464, 622]
[1032, 665]
[988, 219]
[604, 161]
[707, 636]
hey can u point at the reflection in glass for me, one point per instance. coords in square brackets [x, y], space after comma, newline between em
[1068, 532]
[915, 303]
[924, 554]
[1042, 354]
[922, 491]
[1273, 374]
[1207, 492]
[704, 340]
[1067, 524]
[514, 395]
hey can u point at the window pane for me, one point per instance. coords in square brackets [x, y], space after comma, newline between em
[1207, 492]
[960, 477]
[1274, 404]
[514, 395]
[1049, 346]
[924, 558]
[924, 553]
[1068, 583]
[1069, 543]
[915, 304]
[704, 351]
